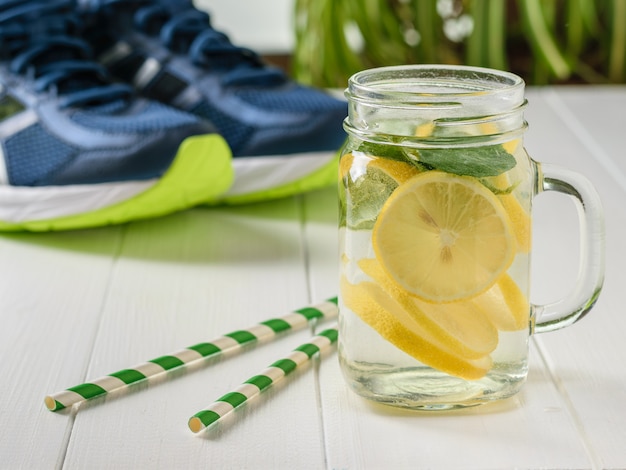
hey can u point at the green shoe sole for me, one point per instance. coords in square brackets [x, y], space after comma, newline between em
[200, 172]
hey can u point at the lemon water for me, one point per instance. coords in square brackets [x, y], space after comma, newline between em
[435, 193]
[408, 339]
[378, 371]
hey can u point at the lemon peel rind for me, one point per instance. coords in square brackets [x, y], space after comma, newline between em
[505, 305]
[357, 299]
[489, 337]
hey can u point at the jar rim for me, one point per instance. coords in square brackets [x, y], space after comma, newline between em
[409, 83]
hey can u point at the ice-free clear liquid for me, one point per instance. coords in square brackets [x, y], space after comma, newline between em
[377, 369]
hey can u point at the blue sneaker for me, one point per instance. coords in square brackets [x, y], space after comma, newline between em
[76, 149]
[284, 136]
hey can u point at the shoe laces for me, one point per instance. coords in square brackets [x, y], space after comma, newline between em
[36, 38]
[186, 30]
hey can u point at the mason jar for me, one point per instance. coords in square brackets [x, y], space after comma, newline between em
[436, 194]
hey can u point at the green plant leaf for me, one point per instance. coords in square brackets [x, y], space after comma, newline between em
[542, 38]
[617, 57]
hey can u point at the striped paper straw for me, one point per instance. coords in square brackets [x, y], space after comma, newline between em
[252, 387]
[230, 342]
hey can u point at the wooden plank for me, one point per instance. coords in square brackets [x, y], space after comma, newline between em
[531, 430]
[191, 278]
[321, 210]
[93, 302]
[587, 359]
[517, 432]
[51, 292]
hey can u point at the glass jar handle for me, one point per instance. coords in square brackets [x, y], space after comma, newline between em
[581, 299]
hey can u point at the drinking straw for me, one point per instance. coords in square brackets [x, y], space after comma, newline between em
[253, 387]
[227, 343]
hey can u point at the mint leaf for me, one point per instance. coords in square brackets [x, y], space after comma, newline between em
[393, 152]
[479, 162]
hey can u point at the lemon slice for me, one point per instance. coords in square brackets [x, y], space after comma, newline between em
[388, 318]
[505, 305]
[460, 327]
[398, 171]
[368, 182]
[443, 237]
[490, 128]
[520, 217]
[520, 221]
[425, 129]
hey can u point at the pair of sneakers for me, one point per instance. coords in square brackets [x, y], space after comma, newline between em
[116, 110]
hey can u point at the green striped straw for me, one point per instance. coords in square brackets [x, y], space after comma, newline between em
[228, 343]
[253, 387]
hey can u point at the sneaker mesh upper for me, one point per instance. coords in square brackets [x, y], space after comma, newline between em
[33, 154]
[153, 118]
[238, 133]
[78, 126]
[256, 107]
[296, 99]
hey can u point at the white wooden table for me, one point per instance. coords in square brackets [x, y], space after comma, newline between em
[78, 305]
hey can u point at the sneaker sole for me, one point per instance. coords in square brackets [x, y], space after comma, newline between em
[254, 177]
[200, 172]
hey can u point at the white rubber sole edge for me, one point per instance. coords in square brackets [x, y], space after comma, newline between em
[23, 204]
[20, 204]
[253, 174]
